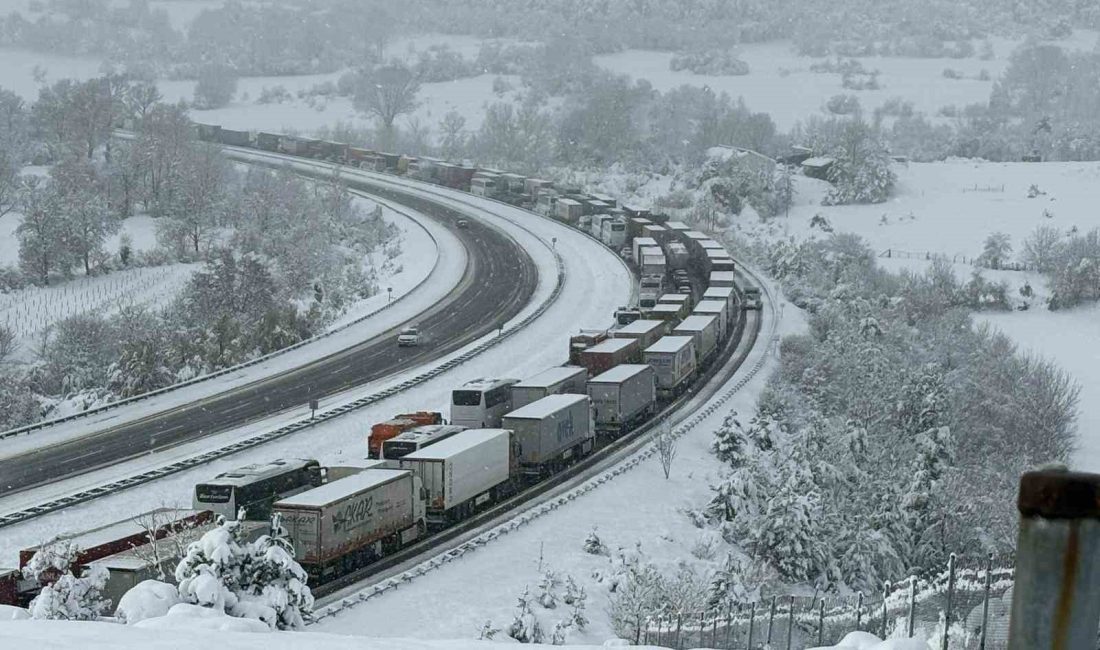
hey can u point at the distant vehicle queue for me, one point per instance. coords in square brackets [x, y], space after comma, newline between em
[422, 472]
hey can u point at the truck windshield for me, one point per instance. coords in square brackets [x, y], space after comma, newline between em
[466, 398]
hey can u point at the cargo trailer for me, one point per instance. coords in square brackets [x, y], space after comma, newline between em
[704, 332]
[551, 432]
[639, 243]
[623, 397]
[677, 255]
[646, 331]
[513, 183]
[416, 439]
[568, 210]
[678, 299]
[725, 294]
[673, 360]
[595, 224]
[711, 245]
[353, 521]
[636, 211]
[653, 264]
[583, 340]
[234, 138]
[634, 225]
[658, 233]
[554, 381]
[722, 279]
[721, 264]
[717, 308]
[533, 186]
[678, 226]
[604, 356]
[464, 472]
[671, 314]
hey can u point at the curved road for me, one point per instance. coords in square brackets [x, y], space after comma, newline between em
[500, 279]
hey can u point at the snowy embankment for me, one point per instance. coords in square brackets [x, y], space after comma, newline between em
[595, 285]
[430, 265]
[223, 632]
[949, 208]
[637, 507]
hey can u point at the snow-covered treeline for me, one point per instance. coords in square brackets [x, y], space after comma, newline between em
[892, 434]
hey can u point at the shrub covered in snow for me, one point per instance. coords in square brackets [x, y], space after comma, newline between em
[65, 596]
[147, 599]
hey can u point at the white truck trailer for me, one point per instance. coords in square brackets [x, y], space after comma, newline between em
[719, 309]
[551, 432]
[725, 294]
[353, 520]
[673, 360]
[653, 264]
[704, 331]
[722, 279]
[646, 331]
[677, 255]
[463, 473]
[638, 244]
[622, 397]
[553, 381]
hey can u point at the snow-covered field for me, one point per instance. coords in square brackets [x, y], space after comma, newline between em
[594, 288]
[950, 208]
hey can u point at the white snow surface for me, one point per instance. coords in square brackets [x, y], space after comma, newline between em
[595, 285]
[191, 629]
[429, 270]
[868, 641]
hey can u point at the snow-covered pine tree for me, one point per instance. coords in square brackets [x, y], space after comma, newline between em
[65, 596]
[593, 545]
[275, 580]
[548, 585]
[525, 626]
[213, 572]
[729, 441]
[577, 599]
[922, 503]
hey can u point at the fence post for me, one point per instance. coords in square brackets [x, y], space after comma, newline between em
[646, 635]
[790, 622]
[1055, 603]
[885, 593]
[659, 620]
[752, 622]
[679, 626]
[859, 610]
[702, 628]
[950, 596]
[912, 603]
[729, 622]
[821, 621]
[771, 621]
[985, 600]
[714, 630]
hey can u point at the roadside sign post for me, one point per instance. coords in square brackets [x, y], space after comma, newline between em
[313, 404]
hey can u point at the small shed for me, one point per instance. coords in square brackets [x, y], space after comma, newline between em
[818, 167]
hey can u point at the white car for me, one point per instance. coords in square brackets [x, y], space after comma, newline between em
[408, 337]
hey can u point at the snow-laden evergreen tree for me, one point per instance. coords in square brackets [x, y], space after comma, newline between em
[577, 600]
[65, 596]
[525, 626]
[860, 172]
[275, 580]
[548, 585]
[729, 441]
[923, 503]
[593, 545]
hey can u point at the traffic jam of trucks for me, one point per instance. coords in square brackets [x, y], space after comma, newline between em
[423, 471]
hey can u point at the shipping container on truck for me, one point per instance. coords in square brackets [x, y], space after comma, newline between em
[463, 175]
[416, 439]
[583, 340]
[725, 294]
[568, 210]
[638, 244]
[678, 226]
[234, 138]
[353, 521]
[722, 279]
[671, 314]
[606, 198]
[400, 423]
[464, 473]
[613, 233]
[673, 359]
[646, 331]
[711, 245]
[346, 468]
[533, 186]
[677, 255]
[623, 397]
[676, 299]
[553, 381]
[634, 226]
[658, 233]
[596, 206]
[720, 264]
[605, 356]
[512, 183]
[552, 432]
[335, 151]
[125, 534]
[484, 184]
[654, 264]
[717, 308]
[704, 331]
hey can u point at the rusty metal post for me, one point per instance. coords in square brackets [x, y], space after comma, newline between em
[885, 593]
[950, 596]
[752, 622]
[790, 622]
[1055, 602]
[821, 621]
[859, 610]
[912, 603]
[771, 621]
[985, 601]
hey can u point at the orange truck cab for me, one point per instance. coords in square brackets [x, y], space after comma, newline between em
[401, 423]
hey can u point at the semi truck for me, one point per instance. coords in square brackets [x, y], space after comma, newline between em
[463, 473]
[651, 288]
[354, 520]
[673, 360]
[551, 432]
[704, 331]
[401, 423]
[653, 264]
[722, 279]
[647, 332]
[725, 294]
[638, 244]
[553, 381]
[604, 356]
[583, 340]
[416, 439]
[717, 308]
[622, 397]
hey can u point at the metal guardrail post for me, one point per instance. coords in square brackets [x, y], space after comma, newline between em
[985, 601]
[912, 604]
[1055, 602]
[950, 595]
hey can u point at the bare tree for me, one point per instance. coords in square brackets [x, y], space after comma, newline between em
[386, 92]
[8, 344]
[665, 444]
[168, 541]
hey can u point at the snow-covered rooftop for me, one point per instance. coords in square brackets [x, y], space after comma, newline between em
[717, 253]
[642, 242]
[456, 444]
[711, 244]
[426, 431]
[342, 488]
[620, 373]
[710, 307]
[546, 406]
[718, 292]
[551, 376]
[611, 345]
[665, 308]
[696, 235]
[667, 344]
[250, 473]
[677, 225]
[119, 529]
[638, 328]
[482, 383]
[721, 276]
[568, 202]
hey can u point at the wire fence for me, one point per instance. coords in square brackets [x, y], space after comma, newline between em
[965, 607]
[958, 258]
